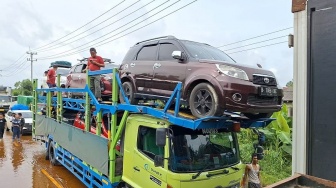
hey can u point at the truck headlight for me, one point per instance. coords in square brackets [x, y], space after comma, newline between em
[232, 71]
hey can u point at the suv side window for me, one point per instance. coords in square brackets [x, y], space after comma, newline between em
[147, 142]
[78, 68]
[147, 53]
[166, 50]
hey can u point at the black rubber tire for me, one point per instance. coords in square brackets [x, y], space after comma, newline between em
[209, 106]
[47, 155]
[258, 116]
[52, 157]
[129, 92]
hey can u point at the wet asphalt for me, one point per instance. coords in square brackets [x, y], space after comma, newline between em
[23, 165]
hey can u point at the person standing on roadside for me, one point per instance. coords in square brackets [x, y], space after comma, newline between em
[252, 171]
[3, 124]
[16, 123]
[22, 122]
[95, 63]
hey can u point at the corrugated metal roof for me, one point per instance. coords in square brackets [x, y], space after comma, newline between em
[288, 94]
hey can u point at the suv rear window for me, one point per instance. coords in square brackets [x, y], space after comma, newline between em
[166, 50]
[147, 53]
[204, 51]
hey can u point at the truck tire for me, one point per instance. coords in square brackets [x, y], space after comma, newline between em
[203, 101]
[52, 154]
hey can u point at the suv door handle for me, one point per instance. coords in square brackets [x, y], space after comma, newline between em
[157, 65]
[132, 64]
[136, 168]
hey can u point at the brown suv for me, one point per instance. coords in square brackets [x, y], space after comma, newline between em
[212, 81]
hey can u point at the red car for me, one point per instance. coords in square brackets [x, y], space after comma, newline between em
[79, 123]
[77, 79]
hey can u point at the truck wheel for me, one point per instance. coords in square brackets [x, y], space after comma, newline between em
[129, 92]
[52, 154]
[203, 101]
[47, 155]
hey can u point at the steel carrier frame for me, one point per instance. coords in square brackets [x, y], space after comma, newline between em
[87, 174]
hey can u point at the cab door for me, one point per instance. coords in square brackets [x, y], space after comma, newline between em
[145, 174]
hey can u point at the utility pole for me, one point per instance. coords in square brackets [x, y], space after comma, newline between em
[31, 59]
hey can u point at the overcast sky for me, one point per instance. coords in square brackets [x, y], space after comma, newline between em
[35, 23]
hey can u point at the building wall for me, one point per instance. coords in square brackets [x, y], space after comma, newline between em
[321, 103]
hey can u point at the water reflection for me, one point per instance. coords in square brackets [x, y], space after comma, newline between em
[17, 156]
[2, 152]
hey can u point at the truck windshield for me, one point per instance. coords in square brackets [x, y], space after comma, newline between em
[204, 51]
[5, 98]
[194, 151]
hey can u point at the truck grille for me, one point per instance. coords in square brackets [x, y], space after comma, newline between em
[259, 100]
[264, 80]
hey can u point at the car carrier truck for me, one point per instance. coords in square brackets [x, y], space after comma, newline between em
[157, 147]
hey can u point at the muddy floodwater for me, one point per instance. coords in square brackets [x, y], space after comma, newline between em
[22, 166]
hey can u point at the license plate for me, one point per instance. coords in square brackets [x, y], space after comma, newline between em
[268, 91]
[1, 110]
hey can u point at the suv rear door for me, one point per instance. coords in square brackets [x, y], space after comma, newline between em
[142, 67]
[167, 70]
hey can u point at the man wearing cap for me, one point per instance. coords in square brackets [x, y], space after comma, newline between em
[95, 63]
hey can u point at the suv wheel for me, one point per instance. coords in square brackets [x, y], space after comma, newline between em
[203, 101]
[129, 92]
[258, 116]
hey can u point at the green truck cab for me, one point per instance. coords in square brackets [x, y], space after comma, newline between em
[184, 158]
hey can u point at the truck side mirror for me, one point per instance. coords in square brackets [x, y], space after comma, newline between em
[158, 161]
[161, 137]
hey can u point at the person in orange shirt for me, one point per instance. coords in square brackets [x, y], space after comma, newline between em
[51, 77]
[95, 63]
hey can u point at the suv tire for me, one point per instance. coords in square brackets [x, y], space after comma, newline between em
[203, 101]
[129, 92]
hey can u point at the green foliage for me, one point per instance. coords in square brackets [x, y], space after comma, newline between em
[277, 161]
[24, 87]
[289, 84]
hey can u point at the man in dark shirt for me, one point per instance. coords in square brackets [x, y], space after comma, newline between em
[16, 123]
[22, 122]
[3, 124]
[95, 63]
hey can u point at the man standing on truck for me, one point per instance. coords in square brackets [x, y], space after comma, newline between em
[252, 171]
[3, 124]
[51, 77]
[95, 63]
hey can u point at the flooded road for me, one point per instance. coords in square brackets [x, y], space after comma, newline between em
[23, 165]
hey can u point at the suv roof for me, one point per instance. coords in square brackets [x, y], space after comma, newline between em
[157, 38]
[167, 37]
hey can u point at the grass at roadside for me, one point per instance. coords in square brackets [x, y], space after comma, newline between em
[275, 166]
